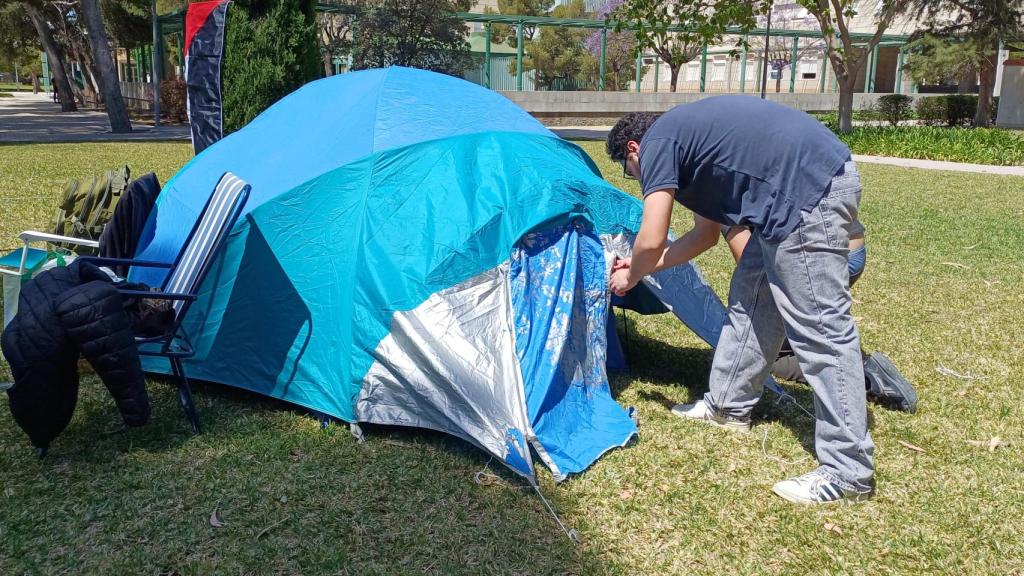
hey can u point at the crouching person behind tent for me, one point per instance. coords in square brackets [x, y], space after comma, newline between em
[742, 161]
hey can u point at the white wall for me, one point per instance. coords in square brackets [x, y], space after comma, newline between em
[1011, 102]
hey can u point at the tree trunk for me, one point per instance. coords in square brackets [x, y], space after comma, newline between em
[85, 91]
[846, 86]
[35, 83]
[116, 111]
[674, 75]
[89, 89]
[58, 70]
[778, 81]
[328, 64]
[982, 118]
[90, 74]
[79, 94]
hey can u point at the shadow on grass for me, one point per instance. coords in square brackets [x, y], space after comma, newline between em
[659, 362]
[663, 364]
[293, 497]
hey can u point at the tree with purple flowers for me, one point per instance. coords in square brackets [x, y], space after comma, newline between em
[620, 50]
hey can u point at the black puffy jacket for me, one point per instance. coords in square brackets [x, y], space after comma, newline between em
[63, 312]
[121, 236]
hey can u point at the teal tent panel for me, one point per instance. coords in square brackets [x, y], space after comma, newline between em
[310, 279]
[319, 127]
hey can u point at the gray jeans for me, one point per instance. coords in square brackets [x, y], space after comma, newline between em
[799, 289]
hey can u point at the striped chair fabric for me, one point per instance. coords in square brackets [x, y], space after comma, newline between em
[208, 234]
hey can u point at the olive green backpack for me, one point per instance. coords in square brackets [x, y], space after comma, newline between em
[85, 209]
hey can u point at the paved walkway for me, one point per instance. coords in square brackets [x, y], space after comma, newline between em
[581, 132]
[601, 132]
[35, 118]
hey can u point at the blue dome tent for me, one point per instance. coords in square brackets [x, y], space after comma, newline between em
[417, 251]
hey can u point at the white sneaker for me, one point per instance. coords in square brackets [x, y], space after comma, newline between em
[701, 411]
[815, 488]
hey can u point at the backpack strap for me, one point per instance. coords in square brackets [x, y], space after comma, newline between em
[66, 206]
[103, 210]
[93, 198]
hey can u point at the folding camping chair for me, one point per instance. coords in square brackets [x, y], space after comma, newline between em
[185, 276]
[26, 258]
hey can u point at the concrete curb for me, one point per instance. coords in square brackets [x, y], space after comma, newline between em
[939, 165]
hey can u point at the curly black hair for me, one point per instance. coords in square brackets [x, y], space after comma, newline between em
[632, 126]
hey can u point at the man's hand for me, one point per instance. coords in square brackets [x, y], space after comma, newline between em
[620, 282]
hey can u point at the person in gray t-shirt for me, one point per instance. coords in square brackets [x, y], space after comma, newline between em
[741, 161]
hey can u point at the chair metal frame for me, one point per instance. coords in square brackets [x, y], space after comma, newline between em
[174, 343]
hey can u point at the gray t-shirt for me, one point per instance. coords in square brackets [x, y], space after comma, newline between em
[740, 160]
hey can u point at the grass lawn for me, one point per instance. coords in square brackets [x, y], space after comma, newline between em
[942, 291]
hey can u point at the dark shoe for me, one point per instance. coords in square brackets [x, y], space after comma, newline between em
[885, 383]
[788, 368]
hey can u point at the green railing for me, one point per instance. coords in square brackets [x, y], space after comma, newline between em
[494, 69]
[488, 20]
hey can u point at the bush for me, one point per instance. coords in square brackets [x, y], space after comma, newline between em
[173, 94]
[960, 109]
[931, 110]
[831, 120]
[270, 49]
[949, 109]
[894, 108]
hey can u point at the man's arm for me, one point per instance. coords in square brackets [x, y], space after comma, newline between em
[651, 250]
[652, 239]
[737, 238]
[701, 238]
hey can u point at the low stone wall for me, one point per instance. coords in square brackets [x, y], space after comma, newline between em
[593, 108]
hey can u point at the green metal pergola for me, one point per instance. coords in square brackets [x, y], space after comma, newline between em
[174, 23]
[887, 40]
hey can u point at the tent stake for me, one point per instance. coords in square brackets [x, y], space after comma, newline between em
[568, 531]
